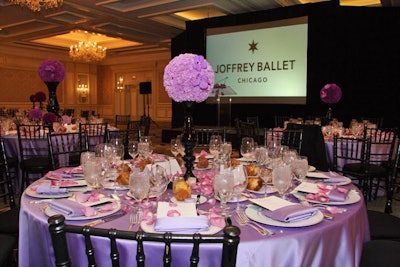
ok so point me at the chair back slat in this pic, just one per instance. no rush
(96, 133)
(89, 247)
(65, 149)
(293, 139)
(6, 176)
(58, 229)
(122, 121)
(114, 255)
(195, 258)
(203, 135)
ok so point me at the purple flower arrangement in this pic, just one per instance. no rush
(35, 114)
(51, 70)
(49, 117)
(330, 93)
(40, 96)
(188, 77)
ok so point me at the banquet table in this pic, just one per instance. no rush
(336, 242)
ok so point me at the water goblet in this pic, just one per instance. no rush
(247, 147)
(145, 147)
(226, 150)
(92, 172)
(176, 147)
(87, 156)
(159, 181)
(139, 186)
(223, 189)
(133, 149)
(282, 178)
(239, 183)
(215, 145)
(300, 167)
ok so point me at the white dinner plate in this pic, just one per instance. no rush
(130, 195)
(202, 199)
(348, 181)
(270, 189)
(241, 199)
(311, 168)
(150, 229)
(254, 213)
(352, 197)
(49, 212)
(113, 186)
(202, 169)
(33, 193)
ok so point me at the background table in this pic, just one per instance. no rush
(335, 242)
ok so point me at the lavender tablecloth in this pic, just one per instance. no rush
(335, 242)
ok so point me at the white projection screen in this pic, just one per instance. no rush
(260, 63)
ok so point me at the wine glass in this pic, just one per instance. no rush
(159, 180)
(223, 189)
(176, 147)
(226, 150)
(300, 167)
(133, 149)
(92, 172)
(87, 156)
(139, 186)
(215, 145)
(261, 154)
(239, 183)
(145, 147)
(247, 147)
(282, 177)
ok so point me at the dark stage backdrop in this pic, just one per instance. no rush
(357, 48)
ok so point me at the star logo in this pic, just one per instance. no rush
(253, 46)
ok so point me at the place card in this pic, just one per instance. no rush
(184, 209)
(272, 203)
(307, 187)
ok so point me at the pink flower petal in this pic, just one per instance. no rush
(173, 213)
(108, 207)
(89, 211)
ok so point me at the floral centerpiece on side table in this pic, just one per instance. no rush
(52, 72)
(188, 78)
(330, 94)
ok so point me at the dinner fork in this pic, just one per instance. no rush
(134, 219)
(242, 219)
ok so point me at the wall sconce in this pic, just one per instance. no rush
(120, 84)
(83, 88)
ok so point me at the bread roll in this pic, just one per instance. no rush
(254, 183)
(202, 162)
(182, 190)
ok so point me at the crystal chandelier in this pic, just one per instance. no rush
(36, 5)
(87, 51)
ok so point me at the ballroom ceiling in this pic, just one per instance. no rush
(123, 26)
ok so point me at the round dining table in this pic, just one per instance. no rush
(331, 242)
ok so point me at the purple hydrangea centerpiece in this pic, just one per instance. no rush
(51, 70)
(330, 93)
(188, 77)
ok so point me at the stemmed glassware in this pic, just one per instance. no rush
(300, 167)
(145, 147)
(239, 183)
(133, 149)
(226, 150)
(177, 147)
(247, 147)
(92, 171)
(223, 187)
(159, 180)
(215, 145)
(139, 186)
(281, 177)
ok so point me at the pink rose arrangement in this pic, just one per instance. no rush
(51, 70)
(330, 93)
(188, 77)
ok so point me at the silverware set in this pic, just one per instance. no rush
(135, 219)
(241, 217)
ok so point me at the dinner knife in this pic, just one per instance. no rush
(104, 220)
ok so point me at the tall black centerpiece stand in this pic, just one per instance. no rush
(189, 138)
(52, 104)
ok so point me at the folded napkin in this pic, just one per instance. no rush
(182, 224)
(338, 194)
(58, 175)
(335, 180)
(67, 207)
(48, 188)
(291, 213)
